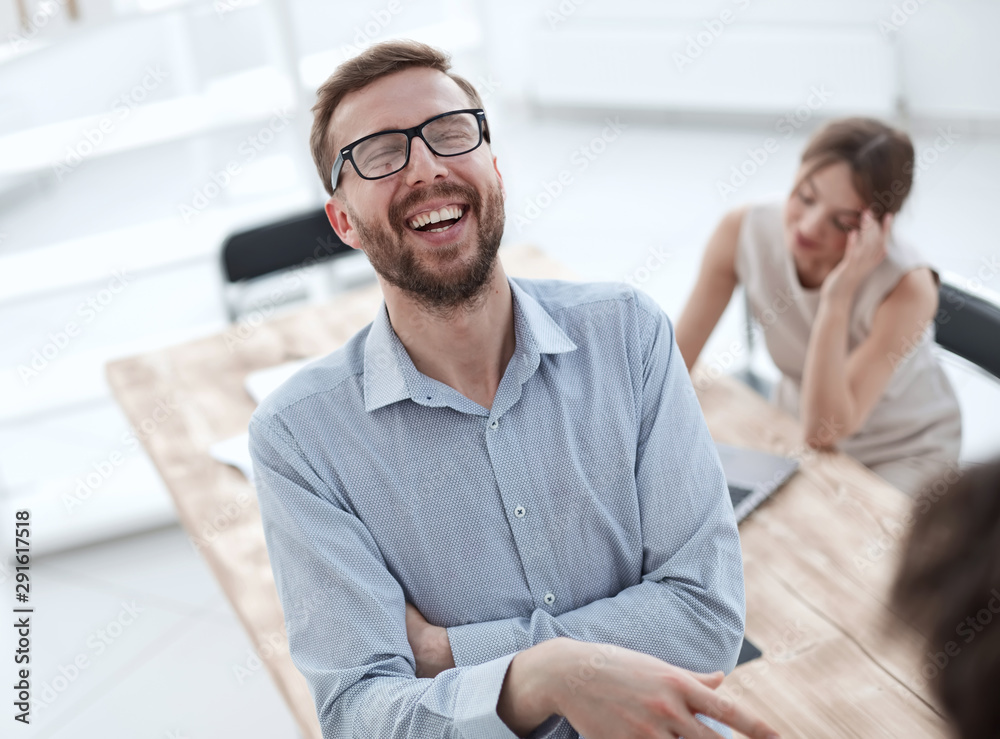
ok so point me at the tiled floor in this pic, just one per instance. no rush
(641, 192)
(133, 638)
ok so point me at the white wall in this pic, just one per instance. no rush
(751, 56)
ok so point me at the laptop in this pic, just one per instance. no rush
(752, 476)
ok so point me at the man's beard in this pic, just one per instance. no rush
(441, 291)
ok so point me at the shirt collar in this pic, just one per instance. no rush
(388, 365)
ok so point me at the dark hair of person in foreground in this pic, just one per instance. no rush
(948, 586)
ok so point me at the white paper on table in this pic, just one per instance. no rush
(235, 452)
(263, 382)
(260, 384)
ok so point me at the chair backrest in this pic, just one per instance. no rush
(294, 242)
(968, 325)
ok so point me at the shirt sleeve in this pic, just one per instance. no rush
(345, 614)
(689, 607)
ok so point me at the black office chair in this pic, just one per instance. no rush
(747, 376)
(968, 325)
(295, 242)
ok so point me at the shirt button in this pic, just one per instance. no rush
(494, 424)
(519, 511)
(549, 599)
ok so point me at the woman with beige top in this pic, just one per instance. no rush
(846, 308)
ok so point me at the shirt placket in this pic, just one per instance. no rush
(526, 526)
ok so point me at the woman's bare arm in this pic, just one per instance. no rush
(840, 389)
(713, 289)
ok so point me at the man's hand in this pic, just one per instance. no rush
(632, 694)
(429, 643)
(608, 692)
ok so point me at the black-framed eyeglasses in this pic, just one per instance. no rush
(381, 154)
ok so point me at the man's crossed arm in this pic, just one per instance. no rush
(353, 646)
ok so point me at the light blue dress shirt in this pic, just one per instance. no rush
(588, 502)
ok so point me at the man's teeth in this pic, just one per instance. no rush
(441, 214)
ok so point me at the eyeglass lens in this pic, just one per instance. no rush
(449, 135)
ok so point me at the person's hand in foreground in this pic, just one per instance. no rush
(609, 692)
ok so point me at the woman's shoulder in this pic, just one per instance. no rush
(903, 255)
(767, 208)
(904, 274)
(901, 258)
(761, 219)
(760, 232)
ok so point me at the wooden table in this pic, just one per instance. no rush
(818, 557)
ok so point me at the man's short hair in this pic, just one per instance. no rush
(358, 72)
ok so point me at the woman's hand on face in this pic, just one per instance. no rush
(866, 248)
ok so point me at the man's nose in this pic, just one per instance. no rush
(424, 166)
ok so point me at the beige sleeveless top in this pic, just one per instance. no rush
(917, 415)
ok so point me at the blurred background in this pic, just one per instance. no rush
(136, 135)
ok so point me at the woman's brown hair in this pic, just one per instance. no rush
(948, 587)
(880, 158)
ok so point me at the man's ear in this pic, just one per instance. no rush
(341, 222)
(496, 169)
